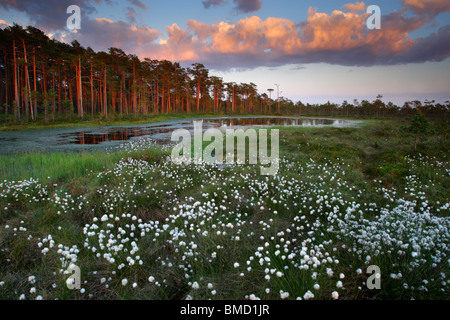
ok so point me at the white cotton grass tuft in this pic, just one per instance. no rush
(308, 295)
(284, 295)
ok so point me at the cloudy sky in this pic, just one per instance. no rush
(317, 50)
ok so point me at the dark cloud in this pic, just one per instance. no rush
(427, 7)
(247, 6)
(213, 3)
(139, 4)
(101, 34)
(49, 15)
(131, 15)
(435, 47)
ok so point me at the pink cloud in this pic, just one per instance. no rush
(321, 37)
(336, 38)
(431, 7)
(355, 7)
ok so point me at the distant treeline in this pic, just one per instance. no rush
(42, 78)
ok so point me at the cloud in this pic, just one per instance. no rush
(427, 7)
(247, 6)
(179, 46)
(337, 38)
(240, 6)
(103, 33)
(213, 3)
(355, 7)
(49, 15)
(435, 47)
(131, 15)
(139, 4)
(4, 24)
(340, 38)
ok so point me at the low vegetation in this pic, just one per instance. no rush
(140, 227)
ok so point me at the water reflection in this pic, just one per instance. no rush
(115, 134)
(164, 131)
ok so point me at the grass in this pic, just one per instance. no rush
(196, 223)
(58, 166)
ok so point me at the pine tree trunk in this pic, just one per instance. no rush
(80, 91)
(6, 90)
(92, 92)
(53, 98)
(27, 83)
(105, 97)
(16, 89)
(198, 94)
(35, 83)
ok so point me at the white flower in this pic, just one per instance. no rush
(308, 295)
(339, 284)
(316, 286)
(330, 272)
(335, 295)
(236, 265)
(124, 282)
(195, 286)
(284, 295)
(151, 279)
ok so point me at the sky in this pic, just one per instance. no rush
(316, 50)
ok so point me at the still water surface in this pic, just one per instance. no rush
(102, 138)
